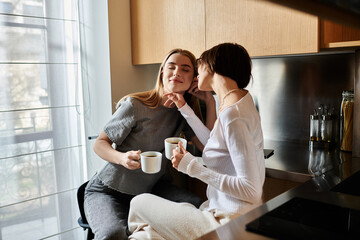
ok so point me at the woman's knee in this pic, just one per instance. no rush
(140, 210)
(141, 200)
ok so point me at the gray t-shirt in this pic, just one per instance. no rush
(135, 126)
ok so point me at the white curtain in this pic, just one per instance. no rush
(41, 118)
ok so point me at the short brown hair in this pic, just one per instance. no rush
(229, 60)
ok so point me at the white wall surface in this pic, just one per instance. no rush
(125, 78)
(108, 73)
(95, 64)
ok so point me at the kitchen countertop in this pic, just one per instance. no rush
(291, 162)
(298, 162)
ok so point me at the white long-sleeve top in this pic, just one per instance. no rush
(233, 156)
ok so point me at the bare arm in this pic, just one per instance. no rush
(103, 148)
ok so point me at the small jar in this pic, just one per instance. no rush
(314, 127)
(346, 121)
(326, 128)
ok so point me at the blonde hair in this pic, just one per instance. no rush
(152, 98)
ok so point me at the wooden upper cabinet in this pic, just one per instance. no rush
(263, 28)
(158, 26)
(334, 35)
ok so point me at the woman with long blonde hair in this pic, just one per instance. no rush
(141, 123)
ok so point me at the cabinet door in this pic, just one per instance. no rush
(263, 28)
(157, 26)
(274, 187)
(334, 35)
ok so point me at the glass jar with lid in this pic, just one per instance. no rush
(346, 121)
(326, 128)
(314, 126)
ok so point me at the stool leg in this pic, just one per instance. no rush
(90, 235)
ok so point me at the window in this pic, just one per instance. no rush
(41, 121)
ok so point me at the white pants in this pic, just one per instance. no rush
(152, 217)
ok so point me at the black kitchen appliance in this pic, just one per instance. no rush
(301, 218)
(349, 186)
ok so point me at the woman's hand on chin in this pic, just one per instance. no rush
(203, 95)
(174, 99)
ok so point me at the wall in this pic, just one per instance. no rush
(287, 89)
(107, 72)
(125, 78)
(95, 64)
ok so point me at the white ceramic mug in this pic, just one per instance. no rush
(151, 162)
(171, 143)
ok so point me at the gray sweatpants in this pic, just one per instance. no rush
(107, 210)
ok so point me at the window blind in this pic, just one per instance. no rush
(41, 137)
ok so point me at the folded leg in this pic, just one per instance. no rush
(152, 217)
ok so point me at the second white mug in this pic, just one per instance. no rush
(171, 143)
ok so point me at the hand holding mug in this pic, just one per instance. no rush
(172, 143)
(130, 159)
(178, 154)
